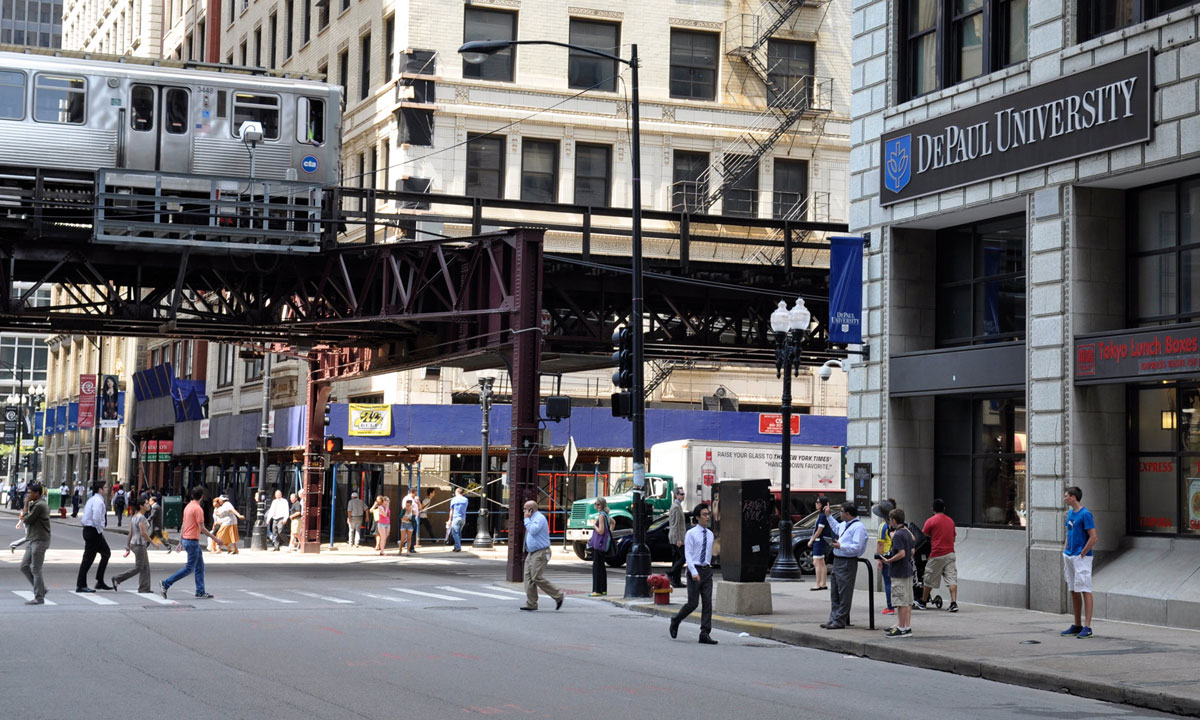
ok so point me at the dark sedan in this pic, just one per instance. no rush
(801, 532)
(656, 539)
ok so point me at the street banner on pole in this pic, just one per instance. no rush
(110, 402)
(370, 420)
(10, 424)
(845, 289)
(87, 401)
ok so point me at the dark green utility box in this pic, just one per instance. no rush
(172, 511)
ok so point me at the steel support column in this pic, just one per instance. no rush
(526, 284)
(317, 394)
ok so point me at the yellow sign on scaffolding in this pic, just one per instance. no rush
(370, 420)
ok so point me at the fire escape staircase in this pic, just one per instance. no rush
(746, 39)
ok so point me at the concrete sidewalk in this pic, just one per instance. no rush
(1143, 665)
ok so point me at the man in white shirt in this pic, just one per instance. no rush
(697, 553)
(851, 539)
(95, 518)
(277, 516)
(355, 510)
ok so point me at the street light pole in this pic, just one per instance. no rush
(637, 568)
(790, 329)
(483, 536)
(258, 533)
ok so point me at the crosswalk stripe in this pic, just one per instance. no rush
(472, 592)
(383, 597)
(504, 589)
(99, 600)
(326, 598)
(152, 597)
(429, 594)
(268, 597)
(28, 595)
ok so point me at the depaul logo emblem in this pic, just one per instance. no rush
(897, 170)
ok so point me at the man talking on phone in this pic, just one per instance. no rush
(537, 556)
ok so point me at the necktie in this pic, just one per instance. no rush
(703, 546)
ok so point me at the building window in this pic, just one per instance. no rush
(593, 175)
(364, 69)
(979, 459)
(485, 166)
(23, 359)
(1164, 487)
(482, 24)
(254, 369)
(389, 47)
(694, 65)
(945, 42)
(307, 28)
(290, 12)
(741, 199)
(258, 47)
(981, 283)
(689, 181)
(273, 25)
(322, 14)
(243, 54)
(790, 198)
(1097, 17)
(588, 71)
(539, 171)
(344, 70)
(1164, 263)
(789, 71)
(225, 363)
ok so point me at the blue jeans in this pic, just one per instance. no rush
(887, 584)
(195, 564)
(456, 526)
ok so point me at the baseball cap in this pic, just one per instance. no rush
(353, 494)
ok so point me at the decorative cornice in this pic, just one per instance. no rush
(689, 22)
(592, 12)
(495, 3)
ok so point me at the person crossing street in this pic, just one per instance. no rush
(697, 548)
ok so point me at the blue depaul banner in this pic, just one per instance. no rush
(845, 289)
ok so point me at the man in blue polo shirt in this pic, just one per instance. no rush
(1077, 561)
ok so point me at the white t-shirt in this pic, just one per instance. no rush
(226, 515)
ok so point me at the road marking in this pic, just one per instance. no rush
(152, 597)
(472, 592)
(326, 598)
(223, 602)
(383, 597)
(94, 598)
(411, 560)
(268, 597)
(28, 595)
(429, 594)
(504, 589)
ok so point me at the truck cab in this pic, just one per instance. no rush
(620, 507)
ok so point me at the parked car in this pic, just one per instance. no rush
(801, 532)
(656, 539)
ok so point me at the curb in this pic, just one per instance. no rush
(1006, 674)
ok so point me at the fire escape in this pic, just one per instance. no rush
(789, 99)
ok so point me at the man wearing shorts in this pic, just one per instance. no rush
(899, 562)
(940, 531)
(1077, 561)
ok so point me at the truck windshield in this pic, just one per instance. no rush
(622, 485)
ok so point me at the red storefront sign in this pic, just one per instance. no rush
(772, 424)
(165, 447)
(1123, 356)
(87, 401)
(150, 454)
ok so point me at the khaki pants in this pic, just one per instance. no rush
(141, 568)
(535, 567)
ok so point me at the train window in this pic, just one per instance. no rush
(141, 108)
(59, 99)
(260, 108)
(176, 111)
(311, 129)
(12, 95)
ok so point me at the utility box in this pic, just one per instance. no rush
(172, 511)
(743, 510)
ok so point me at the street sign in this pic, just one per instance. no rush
(570, 453)
(772, 424)
(10, 424)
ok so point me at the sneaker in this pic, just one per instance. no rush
(162, 590)
(1073, 630)
(597, 594)
(888, 611)
(953, 607)
(897, 633)
(204, 596)
(918, 605)
(1085, 633)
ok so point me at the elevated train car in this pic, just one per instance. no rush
(83, 112)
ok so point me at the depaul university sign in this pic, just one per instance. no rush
(1091, 111)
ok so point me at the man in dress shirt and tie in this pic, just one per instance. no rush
(697, 553)
(537, 555)
(851, 539)
(95, 517)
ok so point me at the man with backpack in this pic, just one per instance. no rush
(118, 503)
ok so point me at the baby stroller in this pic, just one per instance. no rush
(921, 548)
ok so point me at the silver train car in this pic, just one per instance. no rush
(83, 113)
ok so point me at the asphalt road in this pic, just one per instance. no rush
(436, 636)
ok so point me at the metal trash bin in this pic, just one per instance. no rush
(172, 511)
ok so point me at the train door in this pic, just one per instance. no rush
(159, 135)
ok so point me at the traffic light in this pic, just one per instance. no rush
(333, 445)
(622, 402)
(328, 411)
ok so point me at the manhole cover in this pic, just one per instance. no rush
(762, 645)
(451, 607)
(1031, 642)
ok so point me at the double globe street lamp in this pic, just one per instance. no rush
(637, 567)
(791, 330)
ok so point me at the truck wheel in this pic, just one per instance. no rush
(580, 550)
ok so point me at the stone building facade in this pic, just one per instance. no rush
(1026, 172)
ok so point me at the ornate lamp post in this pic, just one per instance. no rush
(791, 330)
(483, 537)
